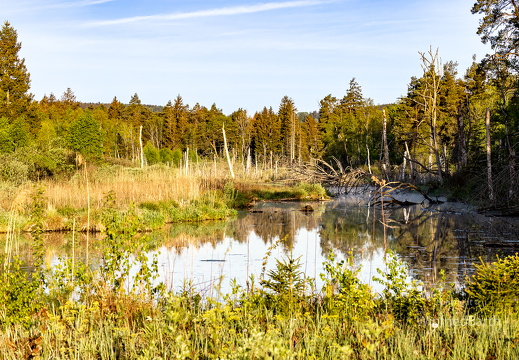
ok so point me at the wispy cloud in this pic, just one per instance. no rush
(71, 4)
(226, 11)
(30, 7)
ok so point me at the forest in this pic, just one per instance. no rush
(434, 134)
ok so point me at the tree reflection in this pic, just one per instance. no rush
(427, 239)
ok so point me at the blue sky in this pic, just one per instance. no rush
(246, 54)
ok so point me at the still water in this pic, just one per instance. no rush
(428, 238)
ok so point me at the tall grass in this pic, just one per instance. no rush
(134, 185)
(258, 323)
(129, 185)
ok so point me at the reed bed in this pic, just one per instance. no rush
(129, 186)
(89, 186)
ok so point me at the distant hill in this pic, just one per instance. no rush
(152, 108)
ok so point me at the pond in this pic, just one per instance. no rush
(428, 238)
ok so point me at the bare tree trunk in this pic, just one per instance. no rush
(186, 161)
(411, 165)
(489, 158)
(431, 65)
(445, 161)
(227, 152)
(293, 138)
(141, 147)
(369, 161)
(385, 147)
(404, 165)
(249, 161)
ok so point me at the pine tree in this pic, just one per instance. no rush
(314, 142)
(266, 132)
(68, 99)
(175, 123)
(353, 98)
(180, 112)
(169, 123)
(116, 109)
(135, 113)
(14, 78)
(288, 121)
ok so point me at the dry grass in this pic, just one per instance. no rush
(134, 185)
(129, 186)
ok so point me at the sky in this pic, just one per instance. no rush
(237, 54)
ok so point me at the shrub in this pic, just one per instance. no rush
(152, 154)
(19, 295)
(402, 297)
(13, 170)
(305, 190)
(494, 288)
(345, 294)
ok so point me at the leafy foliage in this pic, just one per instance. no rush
(86, 137)
(20, 295)
(401, 296)
(345, 295)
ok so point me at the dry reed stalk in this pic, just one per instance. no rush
(151, 185)
(131, 185)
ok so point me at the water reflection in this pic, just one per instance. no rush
(428, 238)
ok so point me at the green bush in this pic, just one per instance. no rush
(19, 294)
(305, 190)
(402, 297)
(166, 156)
(177, 157)
(151, 153)
(345, 294)
(13, 170)
(494, 288)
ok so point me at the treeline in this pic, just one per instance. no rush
(435, 133)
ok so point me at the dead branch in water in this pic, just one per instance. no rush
(345, 179)
(334, 175)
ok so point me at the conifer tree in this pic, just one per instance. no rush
(115, 110)
(169, 123)
(175, 123)
(266, 132)
(498, 26)
(353, 98)
(314, 143)
(14, 77)
(135, 113)
(180, 112)
(68, 99)
(288, 122)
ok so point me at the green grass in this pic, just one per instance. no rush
(243, 195)
(280, 317)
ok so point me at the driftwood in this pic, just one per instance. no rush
(336, 176)
(345, 179)
(500, 211)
